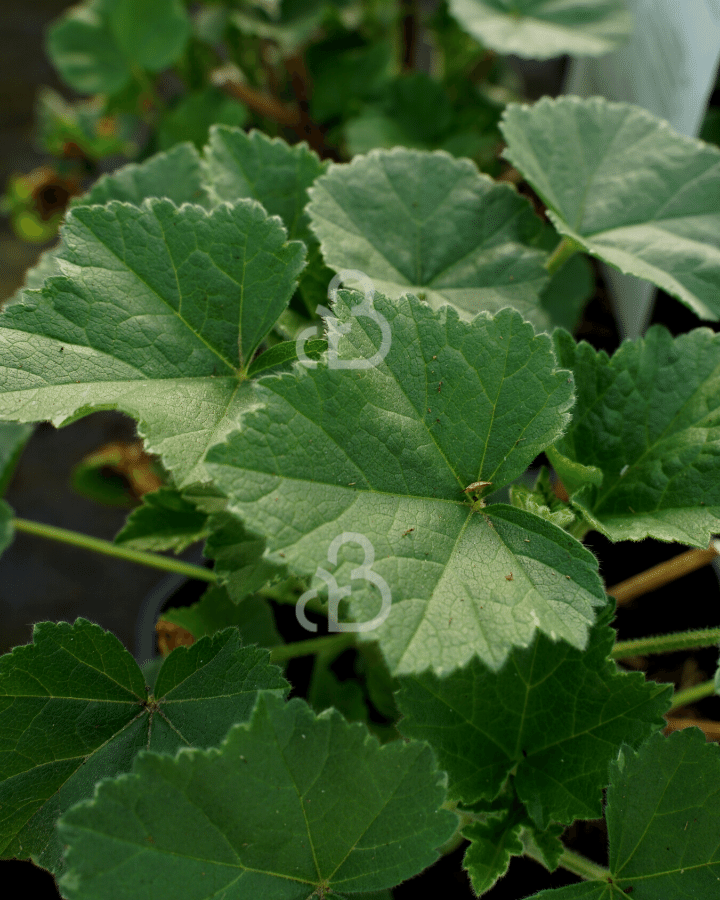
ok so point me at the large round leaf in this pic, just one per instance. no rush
(385, 455)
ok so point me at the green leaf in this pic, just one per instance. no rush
(387, 452)
(164, 521)
(151, 36)
(648, 418)
(541, 500)
(158, 313)
(627, 188)
(571, 473)
(95, 46)
(492, 845)
(586, 890)
(168, 520)
(290, 24)
(191, 118)
(291, 803)
(280, 356)
(373, 128)
(237, 164)
(432, 225)
(74, 709)
(175, 175)
(663, 821)
(557, 772)
(541, 29)
(239, 561)
(344, 73)
(663, 816)
(82, 47)
(13, 438)
(215, 611)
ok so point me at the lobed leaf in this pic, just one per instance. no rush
(552, 719)
(648, 421)
(663, 822)
(236, 164)
(384, 455)
(74, 709)
(626, 188)
(290, 804)
(158, 313)
(174, 174)
(432, 225)
(215, 611)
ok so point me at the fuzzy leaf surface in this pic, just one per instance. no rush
(429, 224)
(386, 453)
(158, 313)
(174, 174)
(215, 611)
(237, 164)
(164, 521)
(663, 818)
(627, 188)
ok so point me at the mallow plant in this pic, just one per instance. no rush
(346, 370)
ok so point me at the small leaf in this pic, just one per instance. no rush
(215, 611)
(164, 521)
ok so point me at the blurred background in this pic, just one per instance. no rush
(44, 580)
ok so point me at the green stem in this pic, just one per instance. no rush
(564, 250)
(141, 557)
(692, 694)
(666, 643)
(336, 642)
(575, 863)
(580, 865)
